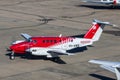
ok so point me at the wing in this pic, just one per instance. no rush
(110, 66)
(99, 2)
(101, 62)
(26, 36)
(59, 52)
(49, 52)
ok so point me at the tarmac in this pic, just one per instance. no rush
(51, 18)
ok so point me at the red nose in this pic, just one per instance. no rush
(18, 48)
(12, 47)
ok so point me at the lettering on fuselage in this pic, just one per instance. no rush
(85, 42)
(75, 45)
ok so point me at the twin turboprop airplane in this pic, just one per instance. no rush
(110, 66)
(107, 2)
(52, 47)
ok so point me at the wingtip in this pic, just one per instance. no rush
(90, 61)
(93, 61)
(22, 33)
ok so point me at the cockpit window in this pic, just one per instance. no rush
(34, 41)
(29, 40)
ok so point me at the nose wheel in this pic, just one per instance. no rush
(12, 56)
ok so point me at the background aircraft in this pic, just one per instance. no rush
(107, 2)
(52, 47)
(110, 66)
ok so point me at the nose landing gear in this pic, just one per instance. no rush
(12, 56)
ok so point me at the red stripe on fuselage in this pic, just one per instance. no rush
(90, 34)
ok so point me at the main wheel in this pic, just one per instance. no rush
(55, 59)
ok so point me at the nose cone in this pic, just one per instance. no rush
(12, 47)
(18, 48)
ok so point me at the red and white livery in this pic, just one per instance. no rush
(52, 47)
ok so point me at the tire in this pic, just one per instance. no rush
(55, 59)
(12, 57)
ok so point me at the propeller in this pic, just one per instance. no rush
(10, 52)
(12, 55)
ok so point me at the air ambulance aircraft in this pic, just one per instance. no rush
(109, 65)
(52, 47)
(107, 2)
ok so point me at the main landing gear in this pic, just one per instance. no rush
(55, 59)
(12, 56)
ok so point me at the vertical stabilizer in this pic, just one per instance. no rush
(96, 30)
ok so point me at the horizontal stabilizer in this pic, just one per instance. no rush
(101, 22)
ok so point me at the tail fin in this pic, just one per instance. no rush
(95, 31)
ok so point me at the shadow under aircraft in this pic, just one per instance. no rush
(101, 77)
(99, 6)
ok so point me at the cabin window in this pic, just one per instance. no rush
(59, 40)
(71, 40)
(51, 41)
(47, 41)
(55, 41)
(43, 41)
